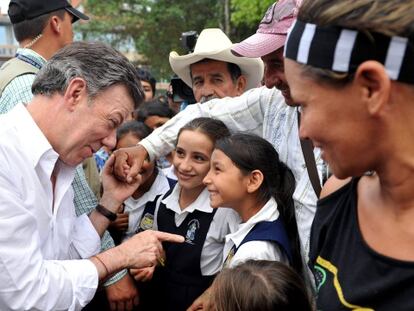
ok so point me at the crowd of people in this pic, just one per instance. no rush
(285, 187)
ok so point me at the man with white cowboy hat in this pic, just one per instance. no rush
(212, 71)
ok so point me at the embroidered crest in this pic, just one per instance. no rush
(193, 226)
(147, 222)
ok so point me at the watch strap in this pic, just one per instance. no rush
(105, 212)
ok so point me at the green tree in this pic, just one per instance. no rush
(153, 27)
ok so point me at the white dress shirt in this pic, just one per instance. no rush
(263, 112)
(224, 221)
(135, 207)
(39, 228)
(256, 250)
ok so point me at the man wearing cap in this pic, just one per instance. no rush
(267, 111)
(212, 71)
(42, 28)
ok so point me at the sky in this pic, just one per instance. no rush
(4, 4)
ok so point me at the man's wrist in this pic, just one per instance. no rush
(106, 212)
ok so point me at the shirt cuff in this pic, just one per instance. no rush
(85, 239)
(115, 278)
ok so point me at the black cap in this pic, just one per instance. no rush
(21, 10)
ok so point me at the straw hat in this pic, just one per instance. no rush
(214, 44)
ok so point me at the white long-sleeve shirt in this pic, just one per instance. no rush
(41, 240)
(263, 112)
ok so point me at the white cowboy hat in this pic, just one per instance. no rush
(214, 44)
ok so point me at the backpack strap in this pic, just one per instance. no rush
(307, 150)
(14, 68)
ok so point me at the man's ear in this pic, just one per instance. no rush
(55, 24)
(375, 85)
(241, 84)
(75, 92)
(255, 181)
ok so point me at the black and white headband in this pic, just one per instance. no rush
(343, 50)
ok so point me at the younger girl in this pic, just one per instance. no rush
(243, 177)
(138, 214)
(260, 285)
(185, 210)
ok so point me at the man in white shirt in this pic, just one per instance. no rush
(264, 111)
(49, 257)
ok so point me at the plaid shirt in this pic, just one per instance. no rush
(19, 90)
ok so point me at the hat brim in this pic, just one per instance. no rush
(259, 44)
(251, 68)
(76, 14)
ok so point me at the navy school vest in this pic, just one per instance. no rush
(273, 231)
(180, 282)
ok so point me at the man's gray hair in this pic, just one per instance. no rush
(100, 65)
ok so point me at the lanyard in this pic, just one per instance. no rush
(29, 61)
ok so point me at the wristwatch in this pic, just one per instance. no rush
(105, 212)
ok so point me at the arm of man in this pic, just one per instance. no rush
(243, 113)
(120, 289)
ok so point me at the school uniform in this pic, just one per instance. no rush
(141, 211)
(190, 266)
(262, 237)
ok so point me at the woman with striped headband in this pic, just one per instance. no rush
(350, 65)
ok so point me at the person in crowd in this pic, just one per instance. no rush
(138, 211)
(42, 28)
(353, 79)
(148, 83)
(49, 255)
(241, 177)
(262, 111)
(186, 210)
(260, 285)
(212, 71)
(154, 113)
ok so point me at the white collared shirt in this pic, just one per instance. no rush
(256, 250)
(261, 111)
(135, 207)
(39, 229)
(224, 221)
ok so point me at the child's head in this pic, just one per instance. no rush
(247, 165)
(154, 113)
(195, 143)
(250, 156)
(129, 134)
(260, 285)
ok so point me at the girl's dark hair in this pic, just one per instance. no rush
(153, 107)
(139, 129)
(251, 152)
(213, 128)
(260, 285)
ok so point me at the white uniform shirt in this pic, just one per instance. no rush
(263, 112)
(39, 230)
(135, 207)
(224, 221)
(256, 250)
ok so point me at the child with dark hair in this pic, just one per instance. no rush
(260, 191)
(185, 210)
(148, 83)
(138, 213)
(260, 285)
(154, 113)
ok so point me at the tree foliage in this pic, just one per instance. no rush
(153, 27)
(248, 12)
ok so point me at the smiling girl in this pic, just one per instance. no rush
(190, 268)
(260, 191)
